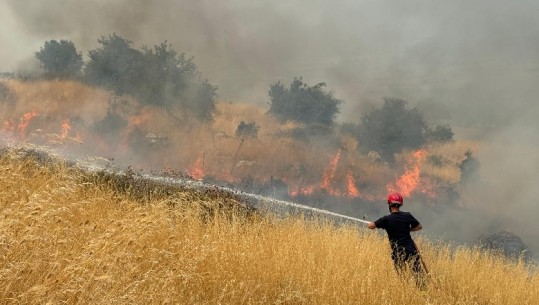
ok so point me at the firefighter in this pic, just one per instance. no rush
(398, 226)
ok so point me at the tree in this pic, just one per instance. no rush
(392, 128)
(60, 59)
(172, 79)
(303, 104)
(440, 133)
(469, 168)
(166, 75)
(115, 65)
(154, 76)
(199, 99)
(245, 130)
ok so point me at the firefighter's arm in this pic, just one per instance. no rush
(371, 225)
(416, 228)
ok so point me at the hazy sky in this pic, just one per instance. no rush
(466, 63)
(441, 55)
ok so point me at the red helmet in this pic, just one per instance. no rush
(395, 198)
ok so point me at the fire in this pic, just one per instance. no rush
(25, 121)
(409, 181)
(344, 173)
(304, 190)
(330, 182)
(137, 120)
(66, 126)
(352, 189)
(329, 173)
(197, 170)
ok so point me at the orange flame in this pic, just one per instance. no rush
(66, 126)
(352, 189)
(197, 170)
(302, 190)
(329, 173)
(328, 180)
(408, 182)
(25, 121)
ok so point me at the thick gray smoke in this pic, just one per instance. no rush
(472, 64)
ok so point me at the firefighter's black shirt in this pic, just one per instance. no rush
(397, 226)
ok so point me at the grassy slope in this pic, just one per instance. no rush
(215, 145)
(65, 237)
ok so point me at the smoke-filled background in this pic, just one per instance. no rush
(473, 65)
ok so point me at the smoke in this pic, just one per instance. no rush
(470, 64)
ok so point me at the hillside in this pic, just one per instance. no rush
(70, 236)
(83, 120)
(327, 171)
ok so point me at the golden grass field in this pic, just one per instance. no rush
(72, 237)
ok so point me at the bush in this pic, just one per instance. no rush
(157, 76)
(469, 169)
(392, 128)
(6, 94)
(247, 130)
(60, 59)
(303, 104)
(116, 65)
(441, 133)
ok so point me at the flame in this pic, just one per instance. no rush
(25, 121)
(352, 189)
(66, 126)
(137, 120)
(301, 190)
(409, 181)
(197, 170)
(332, 187)
(329, 173)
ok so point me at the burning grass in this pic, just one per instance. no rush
(84, 120)
(68, 236)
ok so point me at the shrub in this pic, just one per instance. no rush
(157, 76)
(247, 130)
(303, 104)
(115, 65)
(392, 128)
(440, 133)
(60, 59)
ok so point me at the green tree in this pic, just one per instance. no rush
(440, 133)
(116, 65)
(392, 128)
(199, 98)
(303, 104)
(245, 130)
(60, 59)
(171, 79)
(165, 74)
(155, 76)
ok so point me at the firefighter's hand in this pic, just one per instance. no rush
(371, 225)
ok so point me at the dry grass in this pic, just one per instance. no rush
(449, 155)
(69, 98)
(64, 239)
(211, 147)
